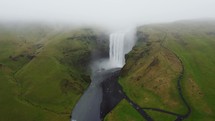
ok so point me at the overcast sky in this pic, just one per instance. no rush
(106, 12)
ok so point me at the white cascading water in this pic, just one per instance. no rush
(88, 107)
(116, 51)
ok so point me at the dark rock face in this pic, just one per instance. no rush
(1, 65)
(141, 36)
(28, 56)
(102, 48)
(111, 94)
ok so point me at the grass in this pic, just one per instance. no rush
(45, 73)
(42, 75)
(151, 71)
(158, 116)
(124, 112)
(150, 78)
(198, 58)
(13, 109)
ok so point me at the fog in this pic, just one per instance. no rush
(109, 13)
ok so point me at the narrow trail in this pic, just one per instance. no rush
(135, 105)
(180, 117)
(115, 93)
(179, 81)
(141, 110)
(180, 91)
(138, 108)
(163, 111)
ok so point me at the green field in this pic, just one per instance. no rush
(150, 75)
(124, 112)
(43, 72)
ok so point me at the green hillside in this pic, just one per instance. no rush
(124, 112)
(44, 71)
(42, 79)
(153, 67)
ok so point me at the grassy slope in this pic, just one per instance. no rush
(47, 86)
(12, 108)
(124, 112)
(156, 87)
(196, 49)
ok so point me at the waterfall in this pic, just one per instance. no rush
(116, 49)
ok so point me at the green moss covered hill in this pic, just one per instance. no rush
(43, 71)
(162, 54)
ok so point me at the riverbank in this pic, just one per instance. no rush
(170, 78)
(111, 94)
(88, 107)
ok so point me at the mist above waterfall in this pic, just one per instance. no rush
(120, 43)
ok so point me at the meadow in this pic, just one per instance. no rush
(152, 68)
(43, 72)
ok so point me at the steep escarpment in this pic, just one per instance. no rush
(165, 56)
(149, 77)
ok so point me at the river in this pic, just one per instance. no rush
(88, 107)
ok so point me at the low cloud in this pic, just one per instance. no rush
(110, 13)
